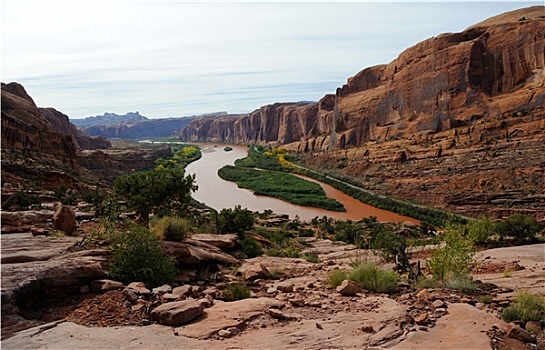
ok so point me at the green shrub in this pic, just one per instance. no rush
(170, 228)
(311, 257)
(236, 291)
(250, 247)
(455, 257)
(486, 299)
(292, 252)
(519, 226)
(460, 282)
(480, 230)
(136, 256)
(526, 307)
(371, 277)
(274, 252)
(237, 220)
(336, 277)
(426, 282)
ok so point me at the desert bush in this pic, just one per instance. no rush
(526, 307)
(170, 228)
(519, 226)
(460, 282)
(236, 291)
(311, 257)
(336, 277)
(273, 252)
(370, 277)
(22, 200)
(237, 220)
(455, 257)
(136, 255)
(250, 247)
(426, 282)
(480, 230)
(292, 251)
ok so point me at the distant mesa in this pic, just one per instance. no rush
(135, 126)
(108, 118)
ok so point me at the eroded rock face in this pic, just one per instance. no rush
(64, 219)
(486, 73)
(26, 132)
(60, 123)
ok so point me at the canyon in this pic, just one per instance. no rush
(456, 121)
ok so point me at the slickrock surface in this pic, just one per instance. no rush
(291, 308)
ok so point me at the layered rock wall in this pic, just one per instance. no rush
(26, 132)
(488, 73)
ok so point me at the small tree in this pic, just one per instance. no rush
(455, 257)
(156, 191)
(519, 226)
(235, 220)
(480, 230)
(136, 256)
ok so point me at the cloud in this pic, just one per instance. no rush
(182, 58)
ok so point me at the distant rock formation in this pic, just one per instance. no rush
(488, 74)
(108, 119)
(135, 126)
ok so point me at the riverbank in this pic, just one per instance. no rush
(220, 194)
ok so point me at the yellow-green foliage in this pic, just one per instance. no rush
(527, 307)
(170, 228)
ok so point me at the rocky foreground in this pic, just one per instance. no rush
(291, 305)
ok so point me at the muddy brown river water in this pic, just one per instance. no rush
(219, 194)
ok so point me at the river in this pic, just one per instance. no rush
(219, 194)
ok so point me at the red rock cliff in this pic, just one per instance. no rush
(485, 75)
(25, 131)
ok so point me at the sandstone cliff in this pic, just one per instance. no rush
(61, 123)
(27, 133)
(456, 121)
(42, 149)
(484, 75)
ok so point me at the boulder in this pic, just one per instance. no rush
(178, 312)
(193, 252)
(185, 291)
(223, 242)
(286, 287)
(348, 287)
(64, 219)
(254, 271)
(139, 288)
(515, 332)
(105, 285)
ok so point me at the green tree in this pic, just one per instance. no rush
(235, 220)
(156, 191)
(455, 257)
(520, 226)
(480, 230)
(136, 256)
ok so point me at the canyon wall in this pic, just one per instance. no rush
(485, 75)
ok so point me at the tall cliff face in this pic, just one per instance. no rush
(81, 141)
(481, 77)
(26, 132)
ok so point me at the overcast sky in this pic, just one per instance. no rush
(172, 58)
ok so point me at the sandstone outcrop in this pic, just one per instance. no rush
(61, 123)
(26, 133)
(64, 219)
(476, 79)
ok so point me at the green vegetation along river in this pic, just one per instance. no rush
(220, 194)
